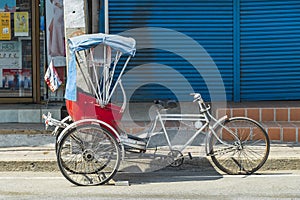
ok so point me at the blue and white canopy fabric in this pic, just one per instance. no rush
(125, 45)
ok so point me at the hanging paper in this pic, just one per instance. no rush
(51, 77)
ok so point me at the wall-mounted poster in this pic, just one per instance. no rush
(10, 56)
(55, 30)
(7, 5)
(21, 26)
(5, 30)
(15, 79)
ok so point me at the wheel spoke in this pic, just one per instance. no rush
(253, 153)
(250, 162)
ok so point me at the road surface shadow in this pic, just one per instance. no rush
(197, 169)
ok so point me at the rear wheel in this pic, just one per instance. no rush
(244, 146)
(88, 155)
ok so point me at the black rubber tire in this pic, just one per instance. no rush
(235, 158)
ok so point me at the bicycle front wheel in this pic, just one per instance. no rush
(88, 155)
(241, 147)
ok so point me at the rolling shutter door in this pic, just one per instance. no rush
(270, 50)
(210, 23)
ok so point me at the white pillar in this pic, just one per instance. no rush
(75, 20)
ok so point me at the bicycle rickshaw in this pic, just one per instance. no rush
(90, 144)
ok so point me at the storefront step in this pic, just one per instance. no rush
(15, 113)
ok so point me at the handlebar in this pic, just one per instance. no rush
(197, 97)
(49, 121)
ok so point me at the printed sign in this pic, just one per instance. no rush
(5, 30)
(10, 54)
(21, 26)
(16, 78)
(7, 5)
(10, 58)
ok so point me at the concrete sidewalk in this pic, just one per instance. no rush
(28, 147)
(43, 158)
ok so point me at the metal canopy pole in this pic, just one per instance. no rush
(106, 17)
(105, 64)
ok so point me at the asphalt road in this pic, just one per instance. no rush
(157, 185)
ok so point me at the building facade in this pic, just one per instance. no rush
(255, 45)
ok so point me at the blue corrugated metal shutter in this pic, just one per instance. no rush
(208, 22)
(270, 49)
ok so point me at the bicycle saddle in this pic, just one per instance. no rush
(166, 104)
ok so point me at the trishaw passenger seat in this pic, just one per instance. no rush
(86, 107)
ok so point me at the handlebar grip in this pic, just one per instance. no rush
(196, 95)
(44, 116)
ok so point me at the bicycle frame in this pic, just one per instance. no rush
(180, 117)
(204, 117)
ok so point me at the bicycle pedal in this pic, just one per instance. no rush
(190, 155)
